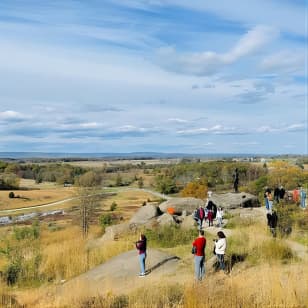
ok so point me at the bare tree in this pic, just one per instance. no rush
(89, 196)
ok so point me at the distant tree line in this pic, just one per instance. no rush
(213, 175)
(11, 173)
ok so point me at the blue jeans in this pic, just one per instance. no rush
(303, 201)
(221, 261)
(142, 262)
(266, 203)
(199, 267)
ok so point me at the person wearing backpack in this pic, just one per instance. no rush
(141, 246)
(199, 256)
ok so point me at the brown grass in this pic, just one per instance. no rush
(34, 197)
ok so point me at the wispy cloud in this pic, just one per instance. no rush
(285, 62)
(209, 62)
(215, 130)
(12, 116)
(297, 127)
(177, 120)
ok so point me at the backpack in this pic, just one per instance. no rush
(194, 250)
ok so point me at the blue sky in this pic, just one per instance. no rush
(226, 76)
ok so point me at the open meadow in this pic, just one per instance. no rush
(56, 260)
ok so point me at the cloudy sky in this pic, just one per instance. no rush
(202, 76)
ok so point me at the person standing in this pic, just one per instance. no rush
(302, 195)
(235, 180)
(269, 197)
(220, 248)
(210, 217)
(141, 246)
(199, 257)
(267, 191)
(219, 216)
(201, 216)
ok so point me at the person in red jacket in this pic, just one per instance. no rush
(200, 243)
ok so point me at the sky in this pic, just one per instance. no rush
(171, 76)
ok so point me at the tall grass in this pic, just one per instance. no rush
(264, 286)
(65, 254)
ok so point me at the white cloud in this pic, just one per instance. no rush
(209, 62)
(285, 61)
(177, 120)
(283, 128)
(216, 130)
(10, 115)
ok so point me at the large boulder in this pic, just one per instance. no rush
(115, 231)
(181, 204)
(144, 214)
(235, 200)
(188, 222)
(166, 219)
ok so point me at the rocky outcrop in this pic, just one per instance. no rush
(166, 219)
(188, 222)
(235, 200)
(144, 214)
(115, 231)
(181, 204)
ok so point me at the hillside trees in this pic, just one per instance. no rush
(165, 184)
(216, 173)
(285, 174)
(9, 181)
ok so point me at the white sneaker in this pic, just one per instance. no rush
(142, 275)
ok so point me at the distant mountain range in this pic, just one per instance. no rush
(133, 155)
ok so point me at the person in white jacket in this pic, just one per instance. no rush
(220, 248)
(219, 216)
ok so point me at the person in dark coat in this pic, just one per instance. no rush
(277, 194)
(235, 180)
(141, 246)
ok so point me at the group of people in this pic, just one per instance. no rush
(208, 213)
(199, 243)
(298, 195)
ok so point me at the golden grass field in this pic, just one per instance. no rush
(268, 277)
(34, 194)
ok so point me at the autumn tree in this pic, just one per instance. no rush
(285, 174)
(196, 189)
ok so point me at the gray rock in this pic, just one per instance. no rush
(235, 200)
(144, 214)
(188, 222)
(166, 219)
(181, 204)
(115, 231)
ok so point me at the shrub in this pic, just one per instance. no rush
(11, 195)
(106, 219)
(170, 236)
(113, 206)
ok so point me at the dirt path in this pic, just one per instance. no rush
(120, 274)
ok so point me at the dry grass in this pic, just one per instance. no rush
(65, 253)
(34, 197)
(262, 286)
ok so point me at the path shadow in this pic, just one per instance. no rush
(230, 261)
(159, 264)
